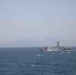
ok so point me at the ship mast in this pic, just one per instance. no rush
(58, 43)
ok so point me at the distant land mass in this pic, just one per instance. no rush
(30, 42)
(35, 43)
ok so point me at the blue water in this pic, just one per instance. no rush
(31, 61)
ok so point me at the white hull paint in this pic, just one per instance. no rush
(56, 48)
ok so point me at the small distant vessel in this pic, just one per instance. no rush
(56, 48)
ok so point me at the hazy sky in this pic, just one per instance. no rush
(37, 19)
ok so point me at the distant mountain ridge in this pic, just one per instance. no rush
(49, 41)
(30, 43)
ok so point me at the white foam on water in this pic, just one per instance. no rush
(38, 55)
(62, 52)
(68, 52)
(32, 65)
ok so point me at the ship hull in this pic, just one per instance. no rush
(56, 49)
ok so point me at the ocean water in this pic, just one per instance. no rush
(31, 61)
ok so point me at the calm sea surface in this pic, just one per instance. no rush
(31, 61)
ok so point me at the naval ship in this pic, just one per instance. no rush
(55, 48)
